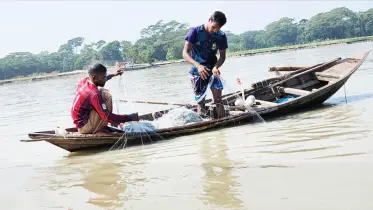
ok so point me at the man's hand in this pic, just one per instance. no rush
(119, 72)
(121, 125)
(216, 71)
(120, 69)
(202, 70)
(135, 116)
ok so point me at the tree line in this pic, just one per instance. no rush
(165, 40)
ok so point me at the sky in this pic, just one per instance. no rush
(34, 26)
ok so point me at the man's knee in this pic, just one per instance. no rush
(95, 123)
(105, 94)
(107, 98)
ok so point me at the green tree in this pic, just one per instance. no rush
(99, 44)
(366, 22)
(281, 32)
(110, 53)
(87, 55)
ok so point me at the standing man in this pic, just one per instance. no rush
(200, 49)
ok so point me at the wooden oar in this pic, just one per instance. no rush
(286, 68)
(32, 140)
(155, 102)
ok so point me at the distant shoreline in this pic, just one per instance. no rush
(172, 62)
(41, 77)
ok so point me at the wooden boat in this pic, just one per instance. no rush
(300, 89)
(130, 67)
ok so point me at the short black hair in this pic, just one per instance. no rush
(219, 18)
(96, 68)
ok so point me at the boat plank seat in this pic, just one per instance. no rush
(322, 76)
(265, 103)
(335, 72)
(293, 91)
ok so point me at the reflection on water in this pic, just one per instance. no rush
(105, 181)
(110, 178)
(114, 179)
(219, 184)
(351, 98)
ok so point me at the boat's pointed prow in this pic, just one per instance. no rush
(361, 56)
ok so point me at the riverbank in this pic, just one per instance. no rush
(41, 76)
(283, 48)
(180, 61)
(301, 46)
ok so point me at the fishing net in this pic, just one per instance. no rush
(177, 117)
(139, 127)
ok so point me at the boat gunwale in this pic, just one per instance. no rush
(209, 123)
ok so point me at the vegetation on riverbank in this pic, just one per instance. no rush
(302, 46)
(42, 76)
(163, 42)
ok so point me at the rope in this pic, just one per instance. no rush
(344, 86)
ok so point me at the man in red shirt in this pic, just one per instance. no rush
(92, 107)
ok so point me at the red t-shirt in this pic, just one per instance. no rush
(88, 97)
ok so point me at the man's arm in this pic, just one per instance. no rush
(222, 56)
(186, 55)
(202, 71)
(104, 113)
(222, 51)
(190, 40)
(109, 76)
(119, 72)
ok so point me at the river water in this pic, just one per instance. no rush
(320, 159)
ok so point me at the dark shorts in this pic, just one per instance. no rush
(200, 86)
